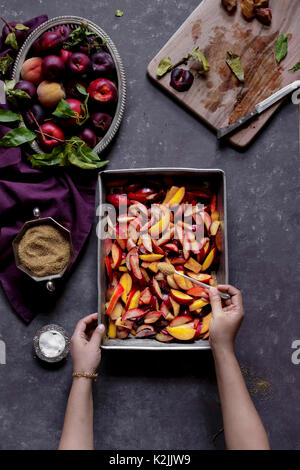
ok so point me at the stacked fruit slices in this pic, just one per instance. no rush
(141, 300)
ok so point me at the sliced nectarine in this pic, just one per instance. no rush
(122, 333)
(124, 323)
(114, 299)
(209, 259)
(151, 258)
(175, 306)
(196, 291)
(181, 320)
(182, 332)
(170, 193)
(163, 338)
(214, 227)
(152, 317)
(133, 299)
(199, 303)
(126, 282)
(133, 314)
(200, 277)
(182, 283)
(145, 297)
(205, 323)
(159, 227)
(193, 265)
(171, 281)
(112, 330)
(177, 197)
(117, 311)
(181, 297)
(145, 330)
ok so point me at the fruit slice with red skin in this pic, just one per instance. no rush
(175, 306)
(133, 314)
(109, 269)
(177, 261)
(114, 299)
(209, 259)
(126, 282)
(196, 291)
(133, 264)
(145, 275)
(152, 317)
(183, 333)
(117, 311)
(157, 249)
(133, 299)
(124, 323)
(116, 253)
(170, 193)
(199, 303)
(219, 239)
(200, 277)
(205, 323)
(122, 333)
(117, 200)
(181, 297)
(206, 219)
(145, 297)
(171, 282)
(166, 312)
(171, 247)
(163, 338)
(112, 330)
(107, 246)
(155, 289)
(144, 331)
(181, 320)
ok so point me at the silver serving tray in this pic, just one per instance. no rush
(73, 22)
(215, 175)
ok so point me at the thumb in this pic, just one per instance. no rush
(215, 301)
(97, 335)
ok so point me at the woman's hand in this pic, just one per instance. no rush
(227, 317)
(85, 345)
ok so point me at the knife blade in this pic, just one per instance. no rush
(259, 108)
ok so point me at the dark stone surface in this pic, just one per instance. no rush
(156, 400)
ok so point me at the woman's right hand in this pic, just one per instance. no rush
(227, 316)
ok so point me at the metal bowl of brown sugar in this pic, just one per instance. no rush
(43, 249)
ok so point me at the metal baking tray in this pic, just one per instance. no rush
(73, 22)
(218, 180)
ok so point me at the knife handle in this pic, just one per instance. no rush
(260, 107)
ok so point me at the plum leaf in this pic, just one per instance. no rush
(5, 63)
(281, 47)
(17, 137)
(235, 64)
(55, 158)
(119, 13)
(296, 67)
(21, 27)
(9, 116)
(63, 110)
(164, 65)
(198, 55)
(11, 41)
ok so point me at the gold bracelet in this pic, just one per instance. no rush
(86, 375)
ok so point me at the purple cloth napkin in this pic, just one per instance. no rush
(67, 195)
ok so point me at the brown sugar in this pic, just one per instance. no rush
(44, 251)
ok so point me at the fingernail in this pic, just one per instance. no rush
(101, 327)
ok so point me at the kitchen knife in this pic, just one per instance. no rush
(259, 108)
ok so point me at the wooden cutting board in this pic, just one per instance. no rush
(218, 98)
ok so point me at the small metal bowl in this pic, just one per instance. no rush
(73, 22)
(36, 343)
(38, 221)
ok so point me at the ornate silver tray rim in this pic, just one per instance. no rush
(76, 21)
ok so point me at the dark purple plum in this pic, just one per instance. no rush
(53, 68)
(103, 64)
(39, 113)
(79, 63)
(181, 80)
(26, 86)
(71, 89)
(89, 137)
(48, 42)
(64, 31)
(101, 121)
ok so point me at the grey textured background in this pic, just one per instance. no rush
(170, 400)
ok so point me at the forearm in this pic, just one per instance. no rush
(77, 432)
(243, 427)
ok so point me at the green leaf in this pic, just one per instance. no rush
(9, 85)
(198, 55)
(17, 137)
(82, 89)
(8, 116)
(82, 156)
(21, 27)
(15, 96)
(63, 110)
(296, 67)
(281, 47)
(55, 158)
(235, 64)
(164, 65)
(5, 63)
(119, 13)
(11, 41)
